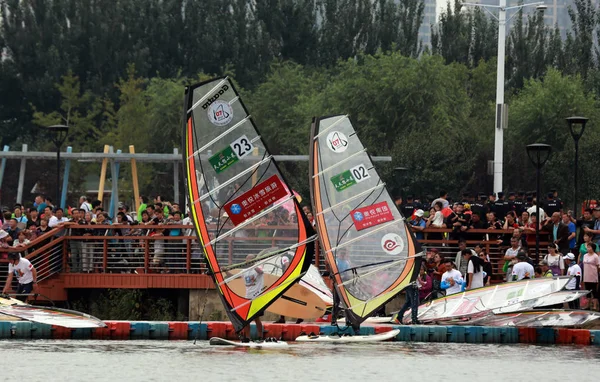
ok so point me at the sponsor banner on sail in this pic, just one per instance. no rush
(256, 199)
(225, 158)
(371, 216)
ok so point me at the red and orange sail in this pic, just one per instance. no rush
(236, 194)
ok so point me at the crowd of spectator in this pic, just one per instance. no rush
(573, 244)
(22, 225)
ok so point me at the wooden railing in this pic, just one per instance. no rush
(112, 253)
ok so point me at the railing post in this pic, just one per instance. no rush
(146, 255)
(104, 255)
(188, 245)
(21, 178)
(65, 254)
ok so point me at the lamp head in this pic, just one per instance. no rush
(541, 8)
(59, 134)
(539, 153)
(577, 126)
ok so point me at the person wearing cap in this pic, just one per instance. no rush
(418, 224)
(25, 273)
(519, 203)
(575, 271)
(546, 271)
(500, 207)
(522, 269)
(4, 236)
(551, 206)
(479, 207)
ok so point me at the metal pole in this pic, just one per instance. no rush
(3, 165)
(21, 177)
(499, 132)
(537, 209)
(576, 184)
(115, 186)
(57, 176)
(176, 178)
(65, 183)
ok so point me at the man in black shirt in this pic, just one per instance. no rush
(33, 220)
(479, 207)
(587, 220)
(500, 207)
(551, 206)
(555, 197)
(407, 208)
(519, 203)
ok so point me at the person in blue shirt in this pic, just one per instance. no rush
(418, 224)
(566, 218)
(342, 263)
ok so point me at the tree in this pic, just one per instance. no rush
(538, 115)
(464, 37)
(584, 19)
(531, 49)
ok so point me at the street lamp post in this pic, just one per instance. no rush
(577, 127)
(501, 111)
(58, 135)
(399, 174)
(538, 154)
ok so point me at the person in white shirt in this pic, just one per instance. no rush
(451, 278)
(25, 273)
(575, 283)
(474, 269)
(522, 270)
(84, 205)
(510, 257)
(541, 214)
(460, 264)
(57, 218)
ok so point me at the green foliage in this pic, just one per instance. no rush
(538, 115)
(128, 304)
(78, 111)
(464, 36)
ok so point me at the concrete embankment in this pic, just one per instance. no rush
(152, 330)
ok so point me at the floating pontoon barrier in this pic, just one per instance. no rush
(178, 330)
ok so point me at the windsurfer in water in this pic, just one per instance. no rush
(255, 281)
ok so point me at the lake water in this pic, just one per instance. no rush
(69, 360)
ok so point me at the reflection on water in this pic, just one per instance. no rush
(183, 361)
